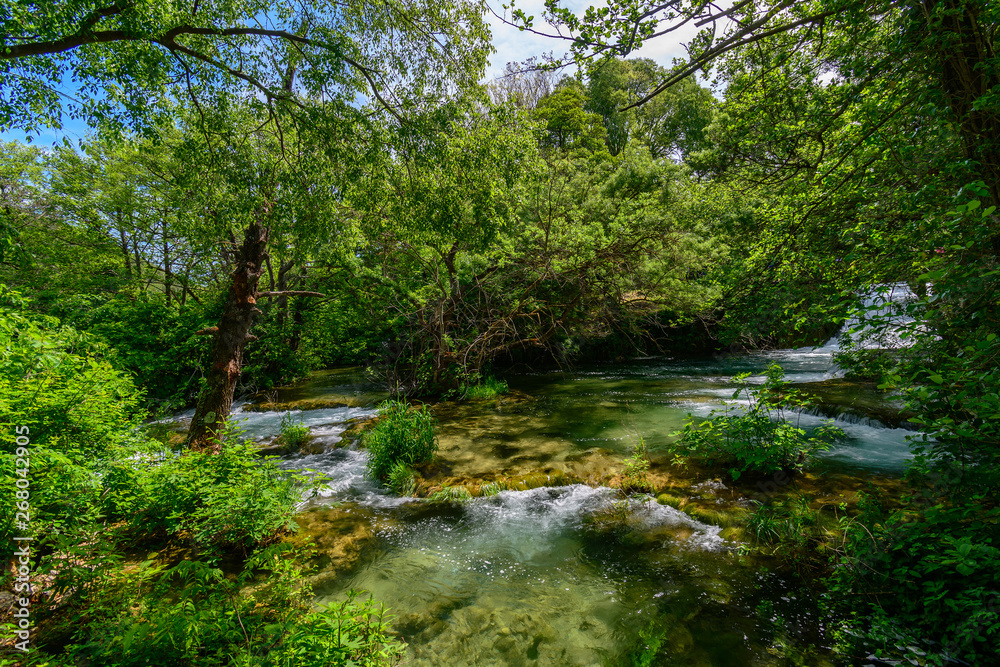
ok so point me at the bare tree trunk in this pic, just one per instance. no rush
(230, 337)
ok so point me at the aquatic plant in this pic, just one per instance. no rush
(293, 433)
(487, 387)
(757, 438)
(634, 479)
(401, 434)
(401, 479)
(493, 488)
(451, 494)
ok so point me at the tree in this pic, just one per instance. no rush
(567, 122)
(434, 222)
(480, 251)
(283, 68)
(672, 124)
(127, 55)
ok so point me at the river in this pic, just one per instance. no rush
(563, 575)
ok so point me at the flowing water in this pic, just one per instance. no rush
(564, 575)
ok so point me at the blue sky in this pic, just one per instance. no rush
(511, 45)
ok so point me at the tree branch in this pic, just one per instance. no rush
(291, 293)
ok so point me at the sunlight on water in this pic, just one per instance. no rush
(569, 575)
(540, 577)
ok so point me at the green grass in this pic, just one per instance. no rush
(488, 387)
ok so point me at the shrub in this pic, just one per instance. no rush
(401, 434)
(229, 500)
(925, 586)
(757, 438)
(401, 479)
(487, 387)
(191, 614)
(634, 478)
(294, 434)
(59, 393)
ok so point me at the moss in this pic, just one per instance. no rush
(336, 536)
(303, 404)
(279, 446)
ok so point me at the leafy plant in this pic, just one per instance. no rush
(401, 479)
(451, 494)
(229, 500)
(757, 438)
(294, 434)
(634, 479)
(401, 435)
(487, 387)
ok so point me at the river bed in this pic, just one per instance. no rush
(560, 575)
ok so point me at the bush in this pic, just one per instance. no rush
(488, 387)
(293, 434)
(59, 394)
(154, 342)
(923, 586)
(401, 479)
(758, 438)
(401, 434)
(191, 614)
(96, 485)
(224, 501)
(634, 479)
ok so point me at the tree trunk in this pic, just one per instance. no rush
(966, 49)
(168, 277)
(216, 397)
(124, 245)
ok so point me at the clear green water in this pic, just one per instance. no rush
(543, 578)
(551, 576)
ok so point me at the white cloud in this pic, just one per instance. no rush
(513, 45)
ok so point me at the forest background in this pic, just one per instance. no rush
(275, 188)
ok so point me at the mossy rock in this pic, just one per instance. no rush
(278, 447)
(356, 426)
(303, 404)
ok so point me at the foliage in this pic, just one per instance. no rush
(79, 413)
(347, 633)
(400, 479)
(451, 494)
(193, 615)
(153, 341)
(672, 124)
(97, 489)
(401, 435)
(757, 438)
(568, 125)
(230, 501)
(294, 434)
(124, 56)
(927, 583)
(633, 476)
(487, 387)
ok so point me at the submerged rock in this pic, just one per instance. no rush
(338, 536)
(856, 402)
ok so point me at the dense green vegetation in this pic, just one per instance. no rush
(761, 438)
(401, 437)
(338, 187)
